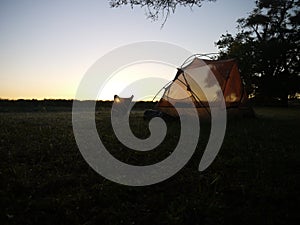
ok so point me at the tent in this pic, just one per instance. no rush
(198, 83)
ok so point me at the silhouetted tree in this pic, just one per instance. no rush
(156, 8)
(267, 46)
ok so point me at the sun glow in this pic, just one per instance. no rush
(139, 80)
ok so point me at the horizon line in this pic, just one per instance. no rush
(59, 99)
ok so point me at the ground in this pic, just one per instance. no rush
(254, 179)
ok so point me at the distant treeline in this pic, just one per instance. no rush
(63, 105)
(56, 105)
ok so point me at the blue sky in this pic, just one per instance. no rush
(48, 45)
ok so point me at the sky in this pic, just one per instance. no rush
(47, 46)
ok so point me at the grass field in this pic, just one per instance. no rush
(254, 179)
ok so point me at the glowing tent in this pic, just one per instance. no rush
(198, 84)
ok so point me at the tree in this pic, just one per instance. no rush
(267, 46)
(156, 8)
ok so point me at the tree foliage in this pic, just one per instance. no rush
(267, 46)
(156, 8)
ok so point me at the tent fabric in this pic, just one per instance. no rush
(185, 89)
